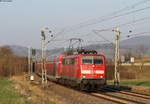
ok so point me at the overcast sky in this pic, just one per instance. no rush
(22, 20)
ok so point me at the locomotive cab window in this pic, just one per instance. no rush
(87, 60)
(98, 60)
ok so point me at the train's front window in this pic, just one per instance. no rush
(87, 60)
(92, 60)
(97, 60)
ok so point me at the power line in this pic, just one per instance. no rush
(134, 5)
(135, 21)
(120, 15)
(125, 24)
(95, 41)
(137, 34)
(127, 36)
(81, 25)
(96, 32)
(107, 17)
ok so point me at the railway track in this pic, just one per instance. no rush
(119, 99)
(125, 97)
(107, 97)
(113, 98)
(145, 96)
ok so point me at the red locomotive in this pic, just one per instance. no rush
(86, 71)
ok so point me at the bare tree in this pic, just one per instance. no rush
(5, 51)
(11, 64)
(140, 51)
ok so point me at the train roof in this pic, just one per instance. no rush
(78, 55)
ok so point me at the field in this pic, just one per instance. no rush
(136, 82)
(130, 72)
(146, 59)
(143, 82)
(8, 94)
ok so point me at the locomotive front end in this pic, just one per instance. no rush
(93, 72)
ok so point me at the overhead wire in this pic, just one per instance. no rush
(106, 19)
(125, 24)
(113, 13)
(137, 34)
(120, 15)
(110, 16)
(131, 7)
(138, 10)
(96, 32)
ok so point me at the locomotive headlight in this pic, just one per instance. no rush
(83, 76)
(101, 76)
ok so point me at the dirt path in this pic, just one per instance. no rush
(53, 93)
(34, 91)
(141, 89)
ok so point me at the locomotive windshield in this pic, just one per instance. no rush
(97, 60)
(87, 60)
(92, 60)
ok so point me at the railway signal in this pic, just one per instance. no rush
(31, 60)
(43, 54)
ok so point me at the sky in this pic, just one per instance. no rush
(22, 20)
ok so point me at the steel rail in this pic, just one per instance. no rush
(125, 100)
(145, 96)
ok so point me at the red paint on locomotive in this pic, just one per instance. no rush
(80, 68)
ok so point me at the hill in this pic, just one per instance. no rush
(107, 49)
(136, 41)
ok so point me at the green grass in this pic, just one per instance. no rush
(143, 82)
(8, 95)
(136, 83)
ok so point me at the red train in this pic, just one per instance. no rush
(85, 71)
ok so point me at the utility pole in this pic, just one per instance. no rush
(29, 60)
(117, 57)
(45, 70)
(43, 56)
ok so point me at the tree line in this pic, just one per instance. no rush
(11, 64)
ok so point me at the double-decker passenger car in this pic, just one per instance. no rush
(86, 71)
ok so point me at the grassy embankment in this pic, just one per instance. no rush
(8, 94)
